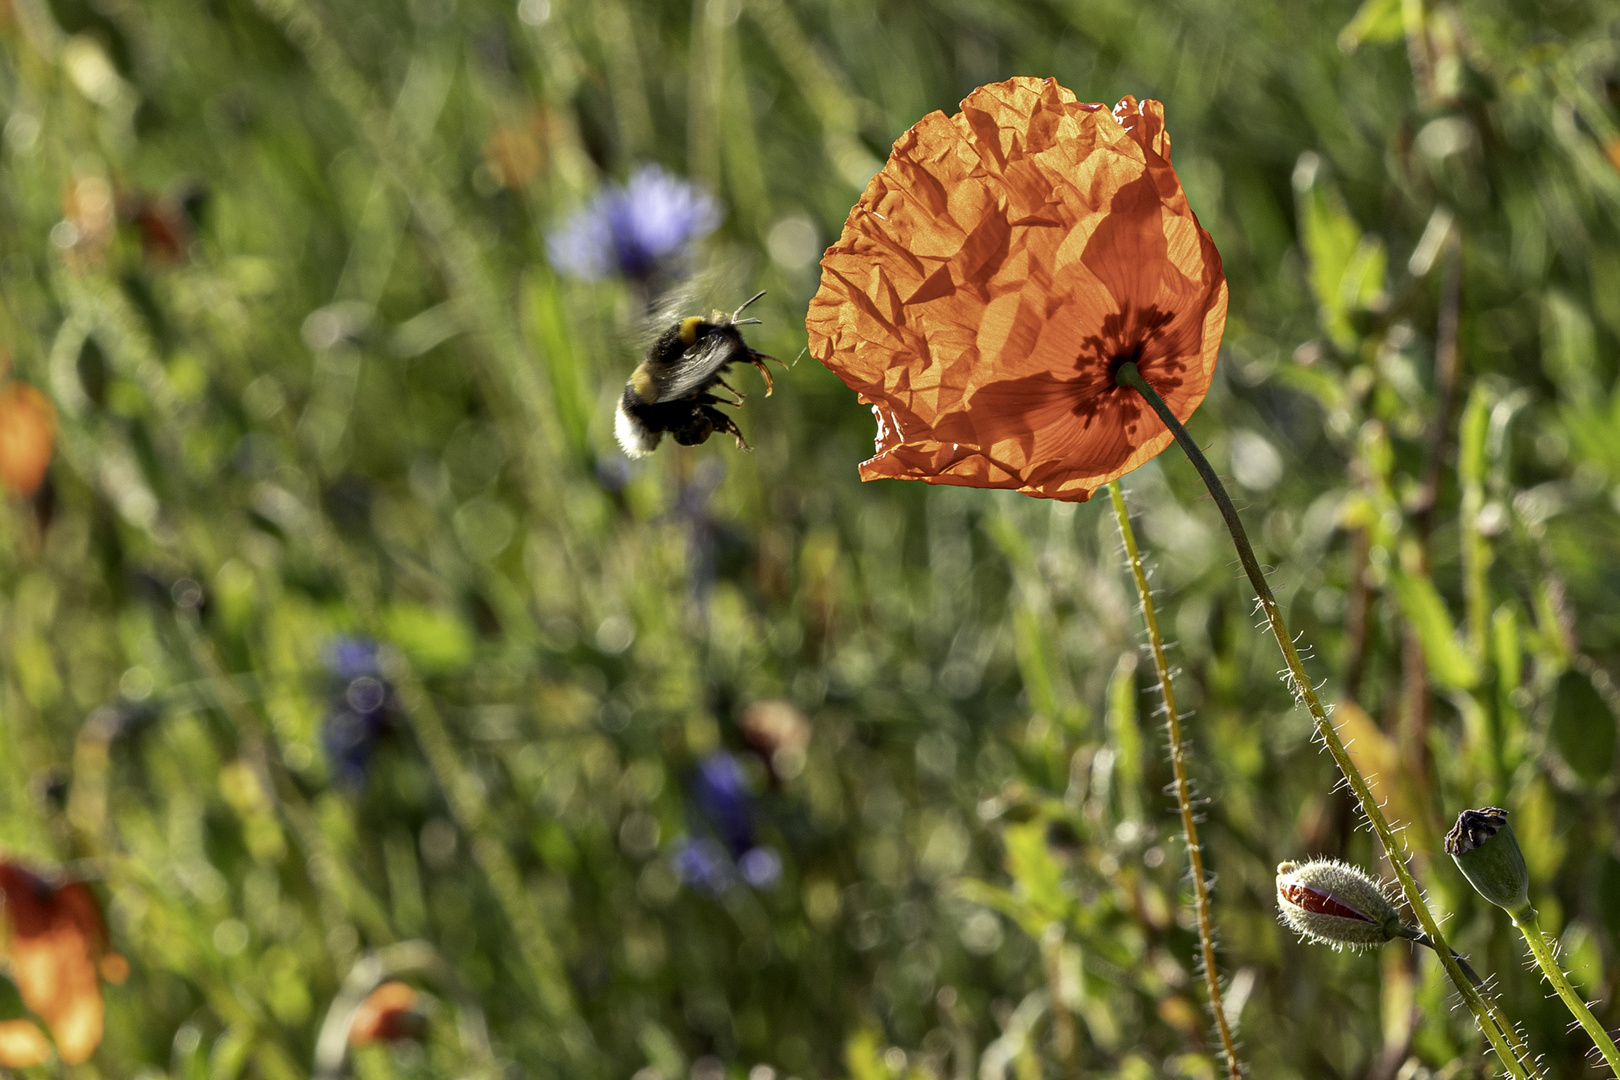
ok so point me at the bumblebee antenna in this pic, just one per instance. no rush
(744, 306)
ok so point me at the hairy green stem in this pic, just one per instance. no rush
(1128, 375)
(1503, 1024)
(1529, 925)
(1178, 764)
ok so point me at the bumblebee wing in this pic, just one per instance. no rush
(694, 369)
(665, 310)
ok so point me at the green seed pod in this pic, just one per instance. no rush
(1484, 848)
(1334, 903)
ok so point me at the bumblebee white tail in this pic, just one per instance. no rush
(635, 438)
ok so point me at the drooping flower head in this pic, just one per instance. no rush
(997, 273)
(633, 229)
(56, 947)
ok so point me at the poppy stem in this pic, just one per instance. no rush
(1546, 957)
(1300, 683)
(1503, 1024)
(1178, 764)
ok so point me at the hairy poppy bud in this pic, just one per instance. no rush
(1484, 848)
(1335, 903)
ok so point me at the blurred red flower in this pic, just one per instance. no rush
(388, 1014)
(995, 275)
(57, 945)
(22, 1044)
(27, 437)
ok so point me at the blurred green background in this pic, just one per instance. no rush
(340, 621)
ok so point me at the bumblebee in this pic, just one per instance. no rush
(672, 390)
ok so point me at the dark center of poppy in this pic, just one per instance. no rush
(1119, 360)
(1126, 336)
(1130, 335)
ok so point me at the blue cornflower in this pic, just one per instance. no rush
(761, 867)
(704, 865)
(633, 229)
(725, 808)
(720, 790)
(351, 657)
(359, 712)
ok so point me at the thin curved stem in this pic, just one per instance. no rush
(1530, 926)
(1503, 1024)
(1128, 375)
(1178, 763)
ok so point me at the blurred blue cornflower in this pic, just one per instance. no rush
(359, 714)
(761, 867)
(704, 865)
(719, 791)
(633, 229)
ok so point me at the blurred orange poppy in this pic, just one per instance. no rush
(22, 1044)
(997, 273)
(27, 437)
(56, 942)
(388, 1014)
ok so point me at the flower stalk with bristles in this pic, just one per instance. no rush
(1184, 800)
(1129, 374)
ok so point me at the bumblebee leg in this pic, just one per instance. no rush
(758, 360)
(710, 399)
(738, 393)
(722, 422)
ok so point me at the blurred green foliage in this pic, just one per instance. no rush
(280, 265)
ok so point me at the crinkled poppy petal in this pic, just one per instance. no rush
(995, 274)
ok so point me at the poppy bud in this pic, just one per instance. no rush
(1484, 848)
(1333, 903)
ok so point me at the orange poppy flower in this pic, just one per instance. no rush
(56, 941)
(388, 1014)
(995, 275)
(27, 437)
